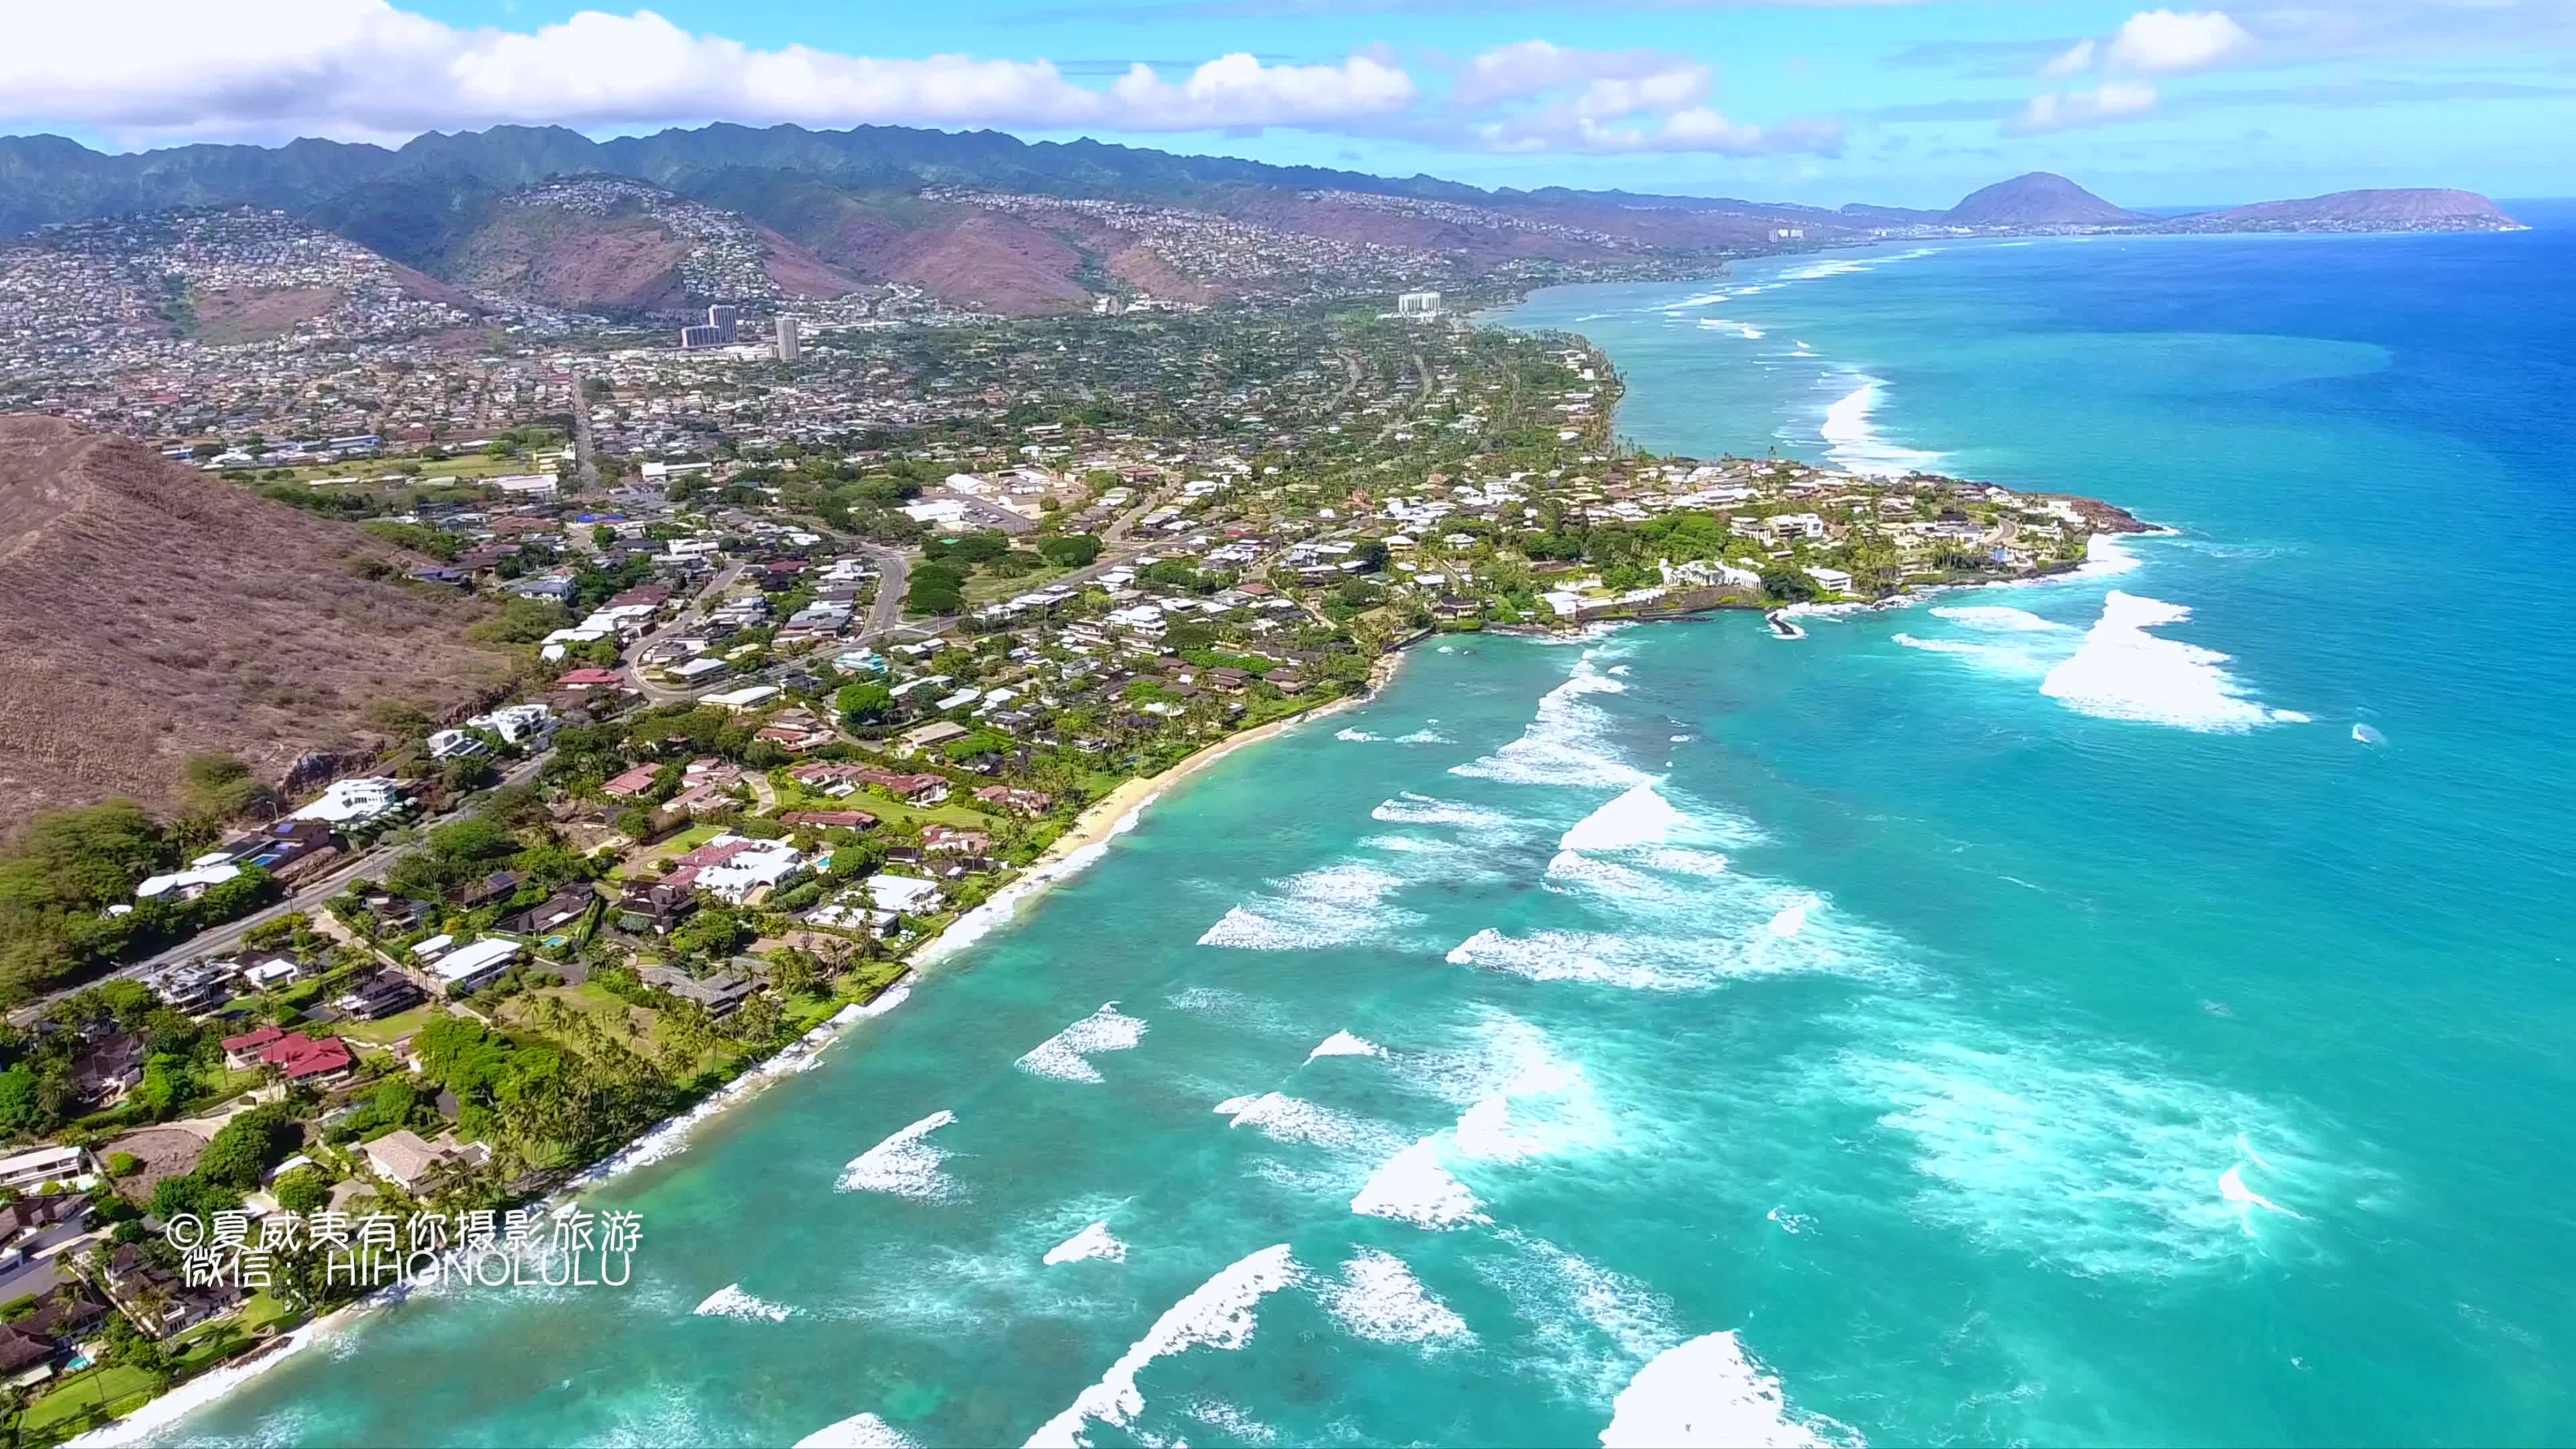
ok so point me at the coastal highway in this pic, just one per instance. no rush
(367, 866)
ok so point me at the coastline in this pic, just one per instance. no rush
(1084, 842)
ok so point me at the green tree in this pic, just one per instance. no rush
(865, 703)
(303, 1191)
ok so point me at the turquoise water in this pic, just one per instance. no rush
(2041, 1014)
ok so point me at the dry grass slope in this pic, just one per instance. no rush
(149, 612)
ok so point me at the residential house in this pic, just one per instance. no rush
(721, 994)
(469, 967)
(564, 911)
(413, 1163)
(1016, 799)
(657, 905)
(297, 1057)
(29, 1170)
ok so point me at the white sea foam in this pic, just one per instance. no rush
(1378, 1297)
(1792, 918)
(1094, 1241)
(1791, 1223)
(1314, 909)
(1577, 956)
(1413, 1187)
(1818, 271)
(1590, 1326)
(1564, 745)
(2104, 556)
(1410, 845)
(1343, 1044)
(1283, 1118)
(1687, 862)
(1853, 440)
(731, 1302)
(2124, 672)
(1711, 1392)
(904, 1165)
(2232, 1188)
(1411, 809)
(1237, 1426)
(2085, 1157)
(1996, 618)
(1065, 1055)
(1639, 816)
(859, 1431)
(2363, 734)
(1239, 1009)
(1745, 330)
(1219, 1313)
(1423, 736)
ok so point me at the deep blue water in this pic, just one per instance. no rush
(2039, 1014)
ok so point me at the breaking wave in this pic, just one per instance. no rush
(1325, 907)
(1852, 440)
(1564, 745)
(731, 1302)
(1343, 1044)
(859, 1431)
(1711, 1392)
(1064, 1056)
(1378, 1297)
(2125, 672)
(903, 1165)
(1094, 1241)
(1220, 1313)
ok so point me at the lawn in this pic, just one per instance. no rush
(82, 1392)
(261, 1310)
(792, 796)
(385, 1031)
(985, 588)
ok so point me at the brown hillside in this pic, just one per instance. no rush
(150, 612)
(565, 259)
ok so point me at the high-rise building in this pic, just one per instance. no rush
(787, 339)
(1418, 304)
(723, 317)
(701, 336)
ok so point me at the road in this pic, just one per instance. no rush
(585, 462)
(694, 614)
(367, 866)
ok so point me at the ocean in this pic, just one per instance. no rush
(2131, 1009)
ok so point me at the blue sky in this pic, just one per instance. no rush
(1909, 102)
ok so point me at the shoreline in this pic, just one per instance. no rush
(1083, 843)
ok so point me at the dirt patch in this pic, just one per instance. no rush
(165, 1152)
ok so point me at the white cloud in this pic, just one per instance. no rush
(1693, 128)
(1533, 67)
(1600, 101)
(2074, 60)
(158, 68)
(2075, 109)
(2162, 42)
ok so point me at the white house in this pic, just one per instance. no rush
(470, 966)
(355, 802)
(751, 866)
